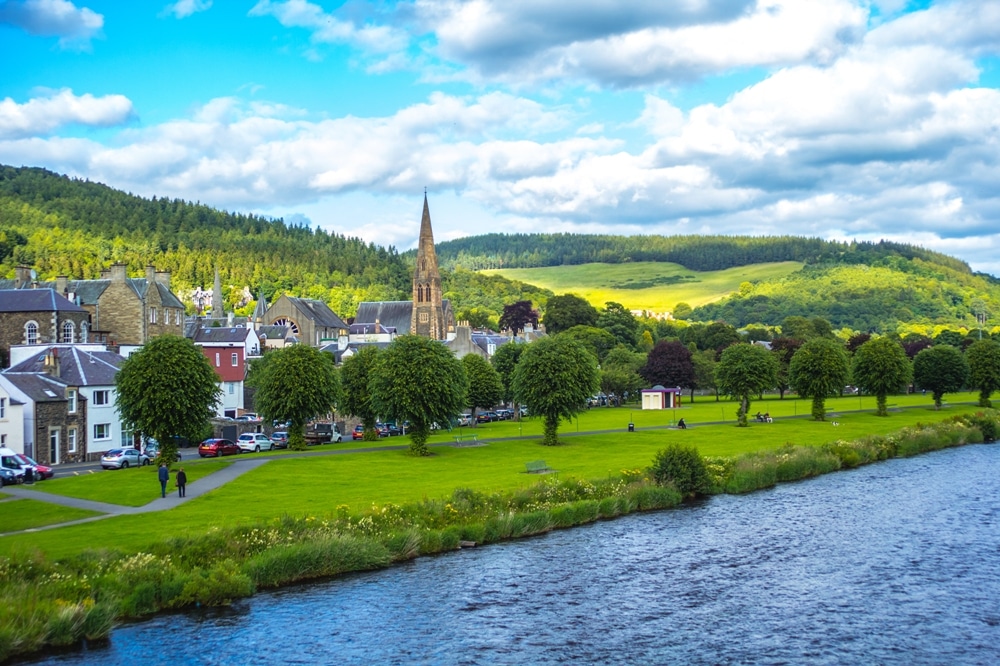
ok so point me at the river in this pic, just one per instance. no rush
(894, 563)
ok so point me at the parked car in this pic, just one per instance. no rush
(8, 477)
(358, 432)
(486, 417)
(41, 471)
(505, 414)
(218, 448)
(253, 442)
(10, 461)
(279, 439)
(394, 430)
(465, 420)
(523, 410)
(124, 458)
(152, 449)
(249, 416)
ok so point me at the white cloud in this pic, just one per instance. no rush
(43, 115)
(74, 26)
(325, 28)
(658, 42)
(184, 8)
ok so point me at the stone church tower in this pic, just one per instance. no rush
(428, 310)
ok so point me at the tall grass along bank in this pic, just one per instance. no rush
(46, 602)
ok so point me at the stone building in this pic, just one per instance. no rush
(39, 317)
(428, 314)
(312, 322)
(123, 310)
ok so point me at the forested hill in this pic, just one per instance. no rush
(697, 253)
(63, 226)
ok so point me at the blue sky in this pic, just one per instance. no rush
(842, 119)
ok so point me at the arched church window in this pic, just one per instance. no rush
(420, 294)
(67, 332)
(31, 333)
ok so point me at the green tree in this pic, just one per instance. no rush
(504, 361)
(598, 341)
(940, 369)
(485, 387)
(704, 372)
(420, 381)
(355, 374)
(743, 371)
(167, 389)
(619, 322)
(566, 311)
(784, 349)
(819, 368)
(296, 384)
(682, 311)
(881, 367)
(984, 368)
(620, 373)
(554, 378)
(669, 364)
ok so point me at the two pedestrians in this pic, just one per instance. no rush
(164, 476)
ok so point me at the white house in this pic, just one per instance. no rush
(91, 369)
(11, 417)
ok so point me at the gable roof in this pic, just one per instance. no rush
(77, 367)
(273, 332)
(218, 335)
(35, 300)
(318, 311)
(87, 292)
(391, 314)
(37, 386)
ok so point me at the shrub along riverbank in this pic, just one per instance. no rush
(47, 602)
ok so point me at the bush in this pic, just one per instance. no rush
(682, 467)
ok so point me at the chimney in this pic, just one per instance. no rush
(118, 273)
(150, 275)
(51, 363)
(230, 318)
(22, 277)
(62, 286)
(163, 277)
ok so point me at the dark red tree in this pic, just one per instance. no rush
(516, 315)
(856, 341)
(669, 364)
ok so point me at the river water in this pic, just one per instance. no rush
(894, 563)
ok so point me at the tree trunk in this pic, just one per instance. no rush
(881, 409)
(984, 399)
(418, 440)
(551, 427)
(741, 413)
(819, 408)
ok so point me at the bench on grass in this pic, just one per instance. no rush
(537, 467)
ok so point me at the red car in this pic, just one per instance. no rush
(41, 471)
(359, 432)
(215, 448)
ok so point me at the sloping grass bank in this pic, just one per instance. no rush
(45, 602)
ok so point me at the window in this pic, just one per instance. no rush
(102, 431)
(217, 361)
(101, 397)
(152, 315)
(31, 333)
(71, 399)
(3, 408)
(83, 332)
(67, 332)
(236, 359)
(232, 387)
(126, 435)
(71, 440)
(179, 317)
(424, 317)
(3, 440)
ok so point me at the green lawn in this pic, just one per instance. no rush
(135, 486)
(317, 485)
(600, 283)
(23, 514)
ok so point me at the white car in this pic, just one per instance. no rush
(254, 442)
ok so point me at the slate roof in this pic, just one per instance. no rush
(272, 332)
(319, 312)
(338, 354)
(38, 386)
(483, 340)
(216, 335)
(88, 291)
(370, 329)
(77, 367)
(35, 300)
(391, 314)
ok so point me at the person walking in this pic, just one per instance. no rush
(182, 480)
(164, 477)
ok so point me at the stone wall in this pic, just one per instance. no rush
(54, 414)
(49, 324)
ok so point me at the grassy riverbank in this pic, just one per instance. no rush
(302, 518)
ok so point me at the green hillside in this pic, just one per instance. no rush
(647, 285)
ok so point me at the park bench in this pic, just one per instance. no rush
(536, 467)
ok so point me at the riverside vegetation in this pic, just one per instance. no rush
(46, 601)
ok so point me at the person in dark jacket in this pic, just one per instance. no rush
(182, 480)
(164, 477)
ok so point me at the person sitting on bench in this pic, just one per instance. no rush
(682, 425)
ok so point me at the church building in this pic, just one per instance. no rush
(428, 314)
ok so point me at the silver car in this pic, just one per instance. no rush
(123, 458)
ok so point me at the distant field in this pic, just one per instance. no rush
(646, 285)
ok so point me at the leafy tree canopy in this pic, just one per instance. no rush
(745, 370)
(566, 311)
(598, 341)
(355, 375)
(485, 387)
(984, 369)
(818, 369)
(881, 367)
(619, 322)
(167, 389)
(669, 364)
(504, 360)
(940, 369)
(420, 381)
(554, 378)
(516, 315)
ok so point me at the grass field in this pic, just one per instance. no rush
(319, 485)
(23, 514)
(669, 284)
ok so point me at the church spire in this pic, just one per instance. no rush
(428, 310)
